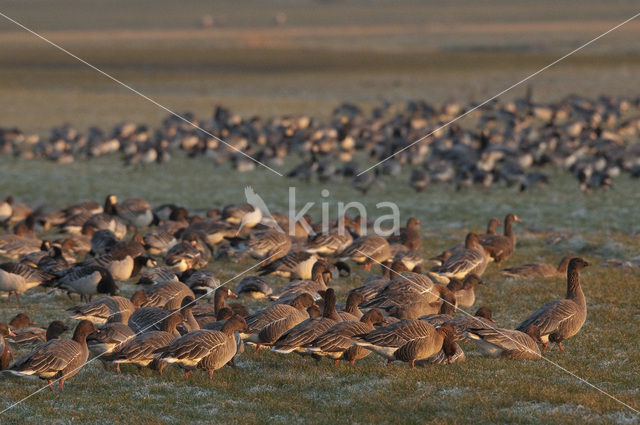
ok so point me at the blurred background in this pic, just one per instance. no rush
(280, 57)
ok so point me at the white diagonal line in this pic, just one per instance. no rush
(128, 87)
(127, 340)
(517, 342)
(447, 124)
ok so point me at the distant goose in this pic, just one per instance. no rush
(500, 247)
(19, 247)
(16, 278)
(372, 286)
(125, 260)
(408, 236)
(367, 250)
(58, 358)
(87, 281)
(158, 241)
(140, 350)
(322, 273)
(507, 343)
(35, 336)
(269, 246)
(108, 219)
(135, 211)
(297, 265)
(109, 309)
(561, 319)
(330, 243)
(111, 337)
(337, 341)
(471, 259)
(20, 321)
(538, 269)
(204, 349)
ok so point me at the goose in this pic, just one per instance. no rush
(26, 227)
(203, 283)
(308, 330)
(60, 217)
(204, 349)
(372, 286)
(419, 179)
(30, 335)
(507, 343)
(296, 265)
(561, 319)
(268, 246)
(538, 269)
(411, 259)
(157, 274)
(184, 256)
(108, 219)
(254, 286)
(19, 321)
(367, 250)
(500, 247)
(220, 297)
(141, 349)
(125, 260)
(408, 236)
(135, 212)
(20, 247)
(491, 231)
(6, 210)
(54, 261)
(109, 309)
(159, 241)
(16, 278)
(6, 353)
(351, 306)
(464, 289)
(168, 295)
(86, 281)
(322, 273)
(243, 215)
(408, 340)
(57, 359)
(19, 211)
(337, 341)
(111, 337)
(102, 242)
(330, 243)
(471, 259)
(212, 231)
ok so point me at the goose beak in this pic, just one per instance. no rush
(587, 264)
(233, 294)
(11, 333)
(517, 219)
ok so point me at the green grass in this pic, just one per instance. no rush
(271, 387)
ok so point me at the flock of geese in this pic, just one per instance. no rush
(511, 142)
(180, 314)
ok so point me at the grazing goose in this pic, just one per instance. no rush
(35, 336)
(58, 358)
(111, 337)
(108, 219)
(202, 283)
(87, 281)
(204, 349)
(109, 309)
(538, 269)
(6, 353)
(159, 242)
(561, 319)
(464, 289)
(330, 243)
(394, 342)
(305, 332)
(268, 246)
(507, 343)
(367, 250)
(125, 260)
(411, 259)
(135, 212)
(295, 265)
(16, 278)
(273, 322)
(184, 256)
(322, 274)
(147, 319)
(471, 259)
(372, 286)
(140, 350)
(254, 286)
(337, 341)
(157, 274)
(168, 295)
(500, 247)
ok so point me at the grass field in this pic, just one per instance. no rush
(327, 53)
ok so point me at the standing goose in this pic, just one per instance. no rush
(354, 299)
(464, 289)
(561, 319)
(268, 246)
(367, 250)
(491, 231)
(437, 339)
(471, 259)
(168, 295)
(125, 260)
(329, 243)
(58, 358)
(296, 265)
(310, 329)
(337, 341)
(204, 349)
(87, 281)
(500, 247)
(111, 337)
(538, 269)
(16, 278)
(408, 236)
(6, 353)
(372, 286)
(109, 309)
(507, 343)
(321, 275)
(219, 299)
(268, 325)
(34, 336)
(140, 350)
